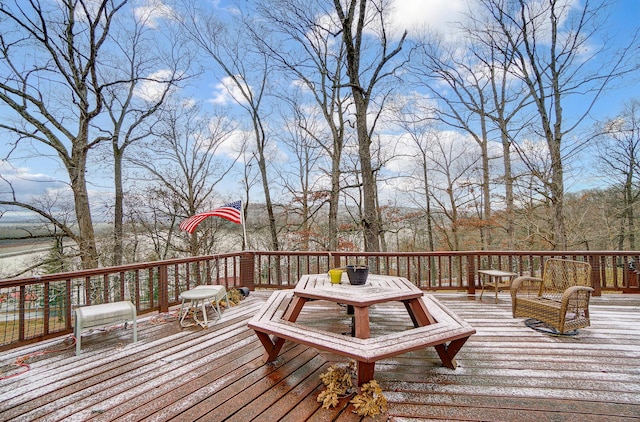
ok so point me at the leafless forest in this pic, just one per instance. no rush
(337, 127)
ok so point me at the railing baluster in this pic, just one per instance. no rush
(46, 309)
(68, 307)
(22, 322)
(106, 288)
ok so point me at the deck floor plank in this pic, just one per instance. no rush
(243, 390)
(506, 370)
(268, 393)
(121, 385)
(166, 394)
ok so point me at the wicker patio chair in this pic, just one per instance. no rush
(560, 299)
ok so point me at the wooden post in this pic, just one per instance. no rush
(247, 272)
(336, 260)
(596, 280)
(471, 275)
(163, 289)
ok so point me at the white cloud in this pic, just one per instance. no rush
(233, 144)
(152, 11)
(45, 192)
(434, 15)
(227, 92)
(242, 142)
(153, 87)
(24, 182)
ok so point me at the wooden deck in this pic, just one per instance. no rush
(506, 372)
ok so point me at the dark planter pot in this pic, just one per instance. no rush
(357, 274)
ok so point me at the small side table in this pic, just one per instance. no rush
(496, 280)
(197, 298)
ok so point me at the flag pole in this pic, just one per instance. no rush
(244, 227)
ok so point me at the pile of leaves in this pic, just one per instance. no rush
(338, 381)
(234, 297)
(370, 401)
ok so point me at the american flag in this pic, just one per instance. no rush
(229, 212)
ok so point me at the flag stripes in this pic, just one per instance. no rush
(229, 212)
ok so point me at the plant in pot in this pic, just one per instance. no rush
(357, 274)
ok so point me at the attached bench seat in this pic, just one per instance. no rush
(102, 315)
(447, 335)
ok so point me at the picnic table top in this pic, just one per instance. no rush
(377, 289)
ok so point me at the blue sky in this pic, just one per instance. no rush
(625, 18)
(33, 174)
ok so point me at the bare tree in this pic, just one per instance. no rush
(250, 178)
(480, 99)
(145, 80)
(55, 93)
(185, 168)
(246, 71)
(414, 119)
(465, 105)
(508, 99)
(453, 164)
(317, 62)
(366, 68)
(533, 220)
(306, 173)
(555, 48)
(152, 214)
(619, 155)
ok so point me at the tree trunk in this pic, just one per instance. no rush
(508, 189)
(87, 241)
(352, 42)
(485, 228)
(557, 197)
(334, 197)
(370, 223)
(118, 213)
(262, 165)
(427, 200)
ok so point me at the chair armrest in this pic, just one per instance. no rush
(525, 285)
(575, 299)
(578, 288)
(576, 291)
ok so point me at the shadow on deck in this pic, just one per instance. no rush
(506, 371)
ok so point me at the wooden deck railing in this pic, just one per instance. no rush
(36, 308)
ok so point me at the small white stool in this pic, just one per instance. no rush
(221, 294)
(103, 315)
(198, 297)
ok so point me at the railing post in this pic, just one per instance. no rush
(336, 260)
(68, 310)
(247, 270)
(596, 279)
(471, 275)
(21, 314)
(163, 289)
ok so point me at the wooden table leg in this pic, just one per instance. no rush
(421, 316)
(361, 322)
(365, 372)
(273, 347)
(448, 352)
(294, 308)
(418, 312)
